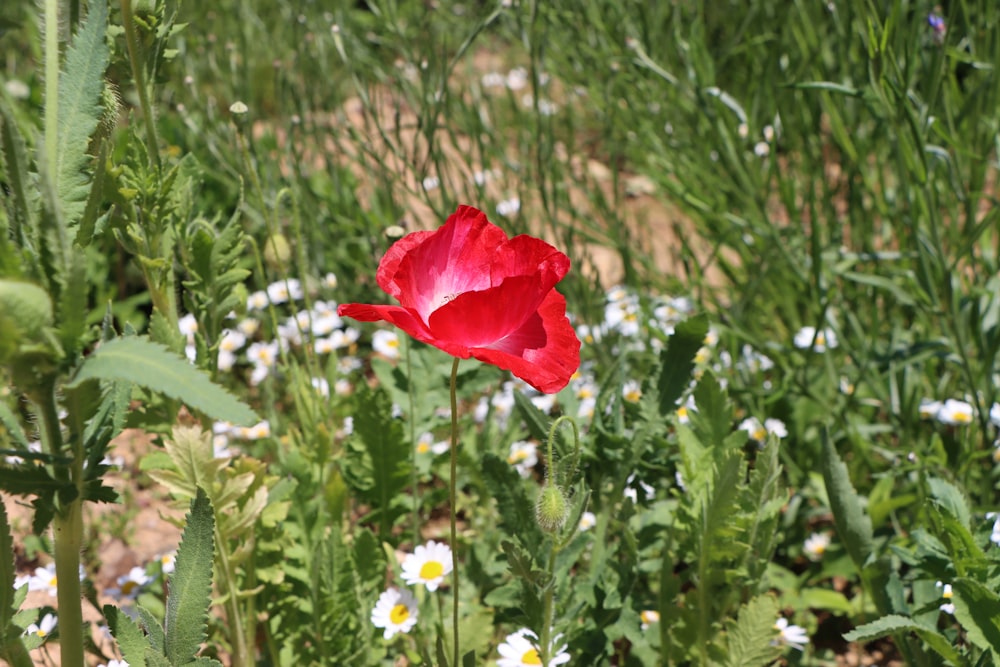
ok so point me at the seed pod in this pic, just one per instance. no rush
(277, 251)
(551, 509)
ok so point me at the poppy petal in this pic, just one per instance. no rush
(544, 351)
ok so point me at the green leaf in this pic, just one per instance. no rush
(80, 109)
(853, 525)
(677, 361)
(386, 453)
(978, 610)
(130, 638)
(893, 624)
(13, 426)
(138, 360)
(951, 498)
(750, 639)
(191, 584)
(517, 513)
(22, 214)
(7, 573)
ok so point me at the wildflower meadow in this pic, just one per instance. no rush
(499, 333)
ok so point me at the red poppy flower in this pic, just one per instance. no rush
(472, 292)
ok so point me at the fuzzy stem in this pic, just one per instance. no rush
(545, 636)
(230, 588)
(132, 41)
(413, 442)
(67, 528)
(452, 493)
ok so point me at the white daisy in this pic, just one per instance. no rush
(632, 391)
(818, 341)
(523, 456)
(648, 617)
(815, 545)
(44, 628)
(956, 413)
(130, 585)
(587, 521)
(948, 606)
(284, 291)
(429, 564)
(188, 326)
(386, 343)
(754, 429)
(520, 650)
(395, 611)
(790, 635)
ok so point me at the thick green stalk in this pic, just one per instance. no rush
(452, 493)
(67, 528)
(415, 489)
(138, 76)
(230, 589)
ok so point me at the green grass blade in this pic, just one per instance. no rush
(137, 359)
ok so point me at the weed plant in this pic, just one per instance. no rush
(780, 445)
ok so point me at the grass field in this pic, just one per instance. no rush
(778, 445)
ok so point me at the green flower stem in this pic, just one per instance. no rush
(413, 442)
(452, 493)
(230, 590)
(132, 42)
(67, 527)
(548, 604)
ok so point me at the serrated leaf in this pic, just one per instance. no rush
(7, 571)
(131, 640)
(191, 584)
(536, 420)
(853, 525)
(750, 641)
(138, 360)
(387, 452)
(13, 426)
(22, 212)
(517, 513)
(978, 610)
(80, 108)
(677, 361)
(950, 497)
(894, 624)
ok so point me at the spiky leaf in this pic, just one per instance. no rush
(138, 360)
(191, 584)
(978, 610)
(853, 525)
(750, 640)
(677, 361)
(7, 573)
(130, 638)
(894, 624)
(80, 109)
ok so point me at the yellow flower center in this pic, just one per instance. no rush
(963, 417)
(517, 456)
(42, 633)
(423, 448)
(531, 658)
(682, 412)
(399, 614)
(431, 570)
(759, 434)
(128, 587)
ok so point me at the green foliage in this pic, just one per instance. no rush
(378, 458)
(191, 584)
(80, 110)
(137, 360)
(180, 639)
(748, 641)
(853, 525)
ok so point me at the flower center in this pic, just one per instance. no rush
(531, 658)
(431, 570)
(128, 587)
(399, 614)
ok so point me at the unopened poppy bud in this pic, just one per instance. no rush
(551, 510)
(25, 310)
(277, 251)
(394, 232)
